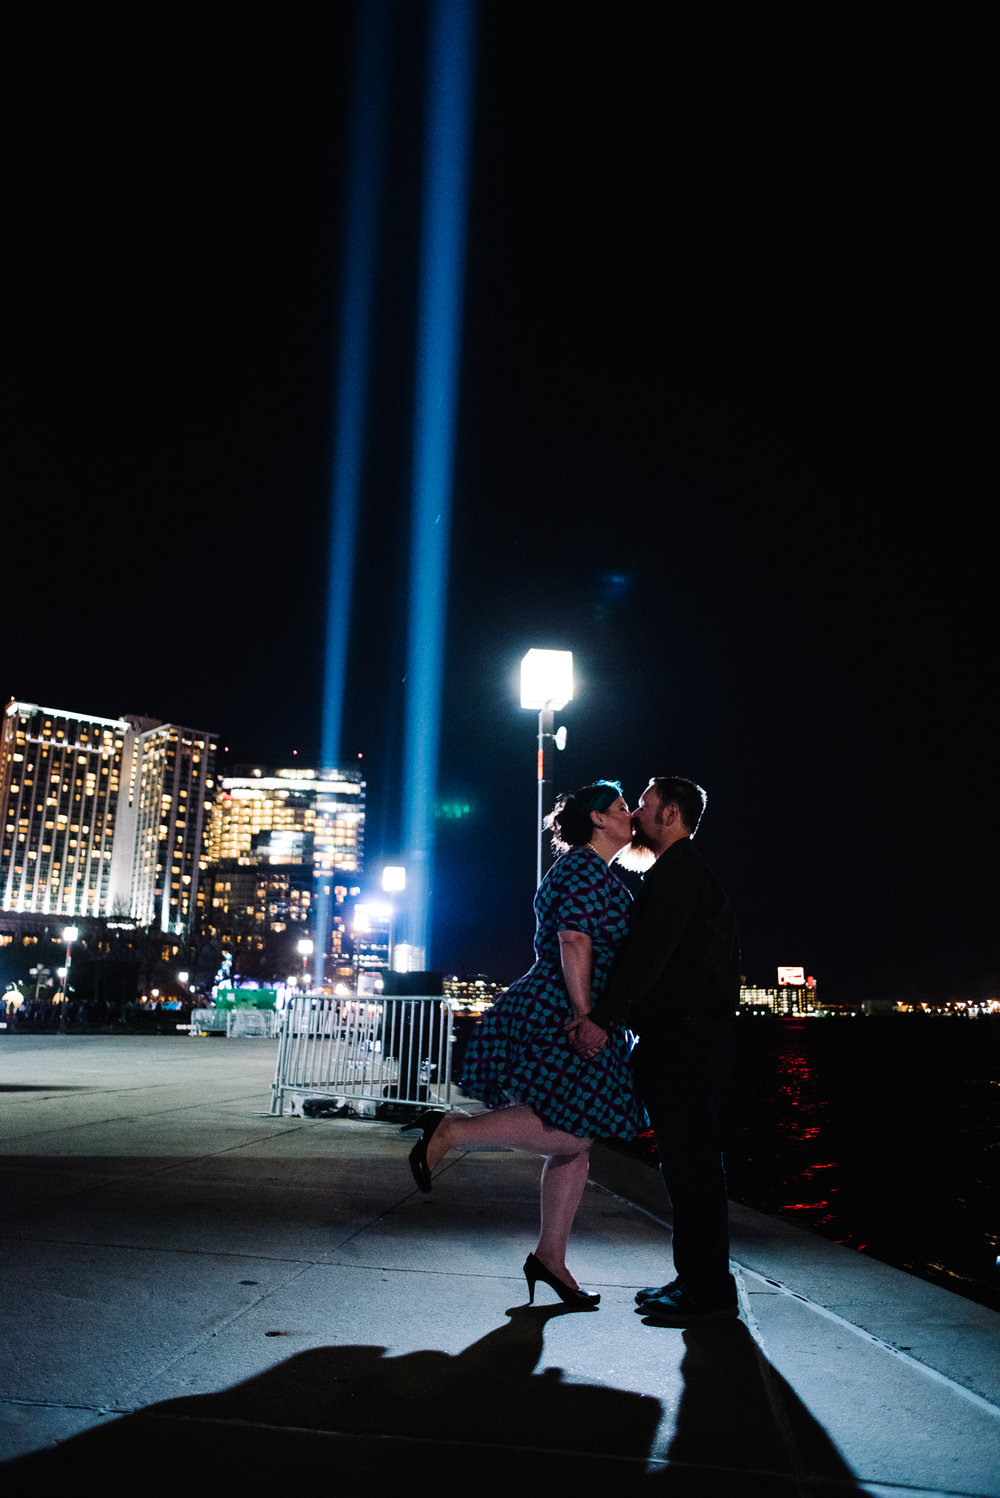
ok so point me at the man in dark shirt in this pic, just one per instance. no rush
(676, 984)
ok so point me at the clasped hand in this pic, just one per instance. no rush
(585, 1037)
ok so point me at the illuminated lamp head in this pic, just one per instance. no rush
(570, 821)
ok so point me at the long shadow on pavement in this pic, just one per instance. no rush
(741, 1429)
(352, 1418)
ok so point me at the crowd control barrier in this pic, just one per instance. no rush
(252, 1022)
(207, 1022)
(365, 1051)
(232, 1022)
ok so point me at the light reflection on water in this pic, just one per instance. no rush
(882, 1135)
(879, 1134)
(804, 1102)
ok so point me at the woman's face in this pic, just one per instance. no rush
(617, 821)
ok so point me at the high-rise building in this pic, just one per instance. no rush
(59, 783)
(372, 937)
(285, 846)
(102, 816)
(163, 806)
(290, 816)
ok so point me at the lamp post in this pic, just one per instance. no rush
(546, 686)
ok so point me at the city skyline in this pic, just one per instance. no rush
(725, 431)
(268, 841)
(123, 820)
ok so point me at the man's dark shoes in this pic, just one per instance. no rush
(677, 1307)
(653, 1292)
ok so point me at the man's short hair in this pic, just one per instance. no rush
(689, 797)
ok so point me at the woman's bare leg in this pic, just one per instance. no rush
(563, 1180)
(564, 1174)
(516, 1127)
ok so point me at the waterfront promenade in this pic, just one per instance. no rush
(197, 1293)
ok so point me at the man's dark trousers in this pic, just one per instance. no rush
(682, 1069)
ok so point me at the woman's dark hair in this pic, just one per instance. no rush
(569, 820)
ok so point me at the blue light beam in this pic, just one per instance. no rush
(442, 251)
(365, 161)
(364, 177)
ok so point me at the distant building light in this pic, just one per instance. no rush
(408, 959)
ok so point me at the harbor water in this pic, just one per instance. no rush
(881, 1134)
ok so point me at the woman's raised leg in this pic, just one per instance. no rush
(516, 1127)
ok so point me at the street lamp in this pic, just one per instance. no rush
(69, 936)
(393, 882)
(305, 947)
(546, 686)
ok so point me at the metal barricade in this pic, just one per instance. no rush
(365, 1051)
(232, 1022)
(207, 1021)
(251, 1022)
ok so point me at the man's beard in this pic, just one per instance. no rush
(637, 856)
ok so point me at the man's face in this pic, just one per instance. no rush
(647, 822)
(647, 834)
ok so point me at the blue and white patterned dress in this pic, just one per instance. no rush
(520, 1054)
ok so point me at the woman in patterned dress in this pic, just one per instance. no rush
(541, 1096)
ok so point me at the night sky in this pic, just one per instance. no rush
(725, 433)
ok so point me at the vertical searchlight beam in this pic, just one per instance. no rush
(364, 174)
(442, 252)
(364, 177)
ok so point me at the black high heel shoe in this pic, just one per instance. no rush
(418, 1154)
(535, 1270)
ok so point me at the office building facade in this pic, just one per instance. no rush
(159, 862)
(286, 854)
(784, 1001)
(59, 784)
(102, 816)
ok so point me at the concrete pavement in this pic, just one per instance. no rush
(195, 1292)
